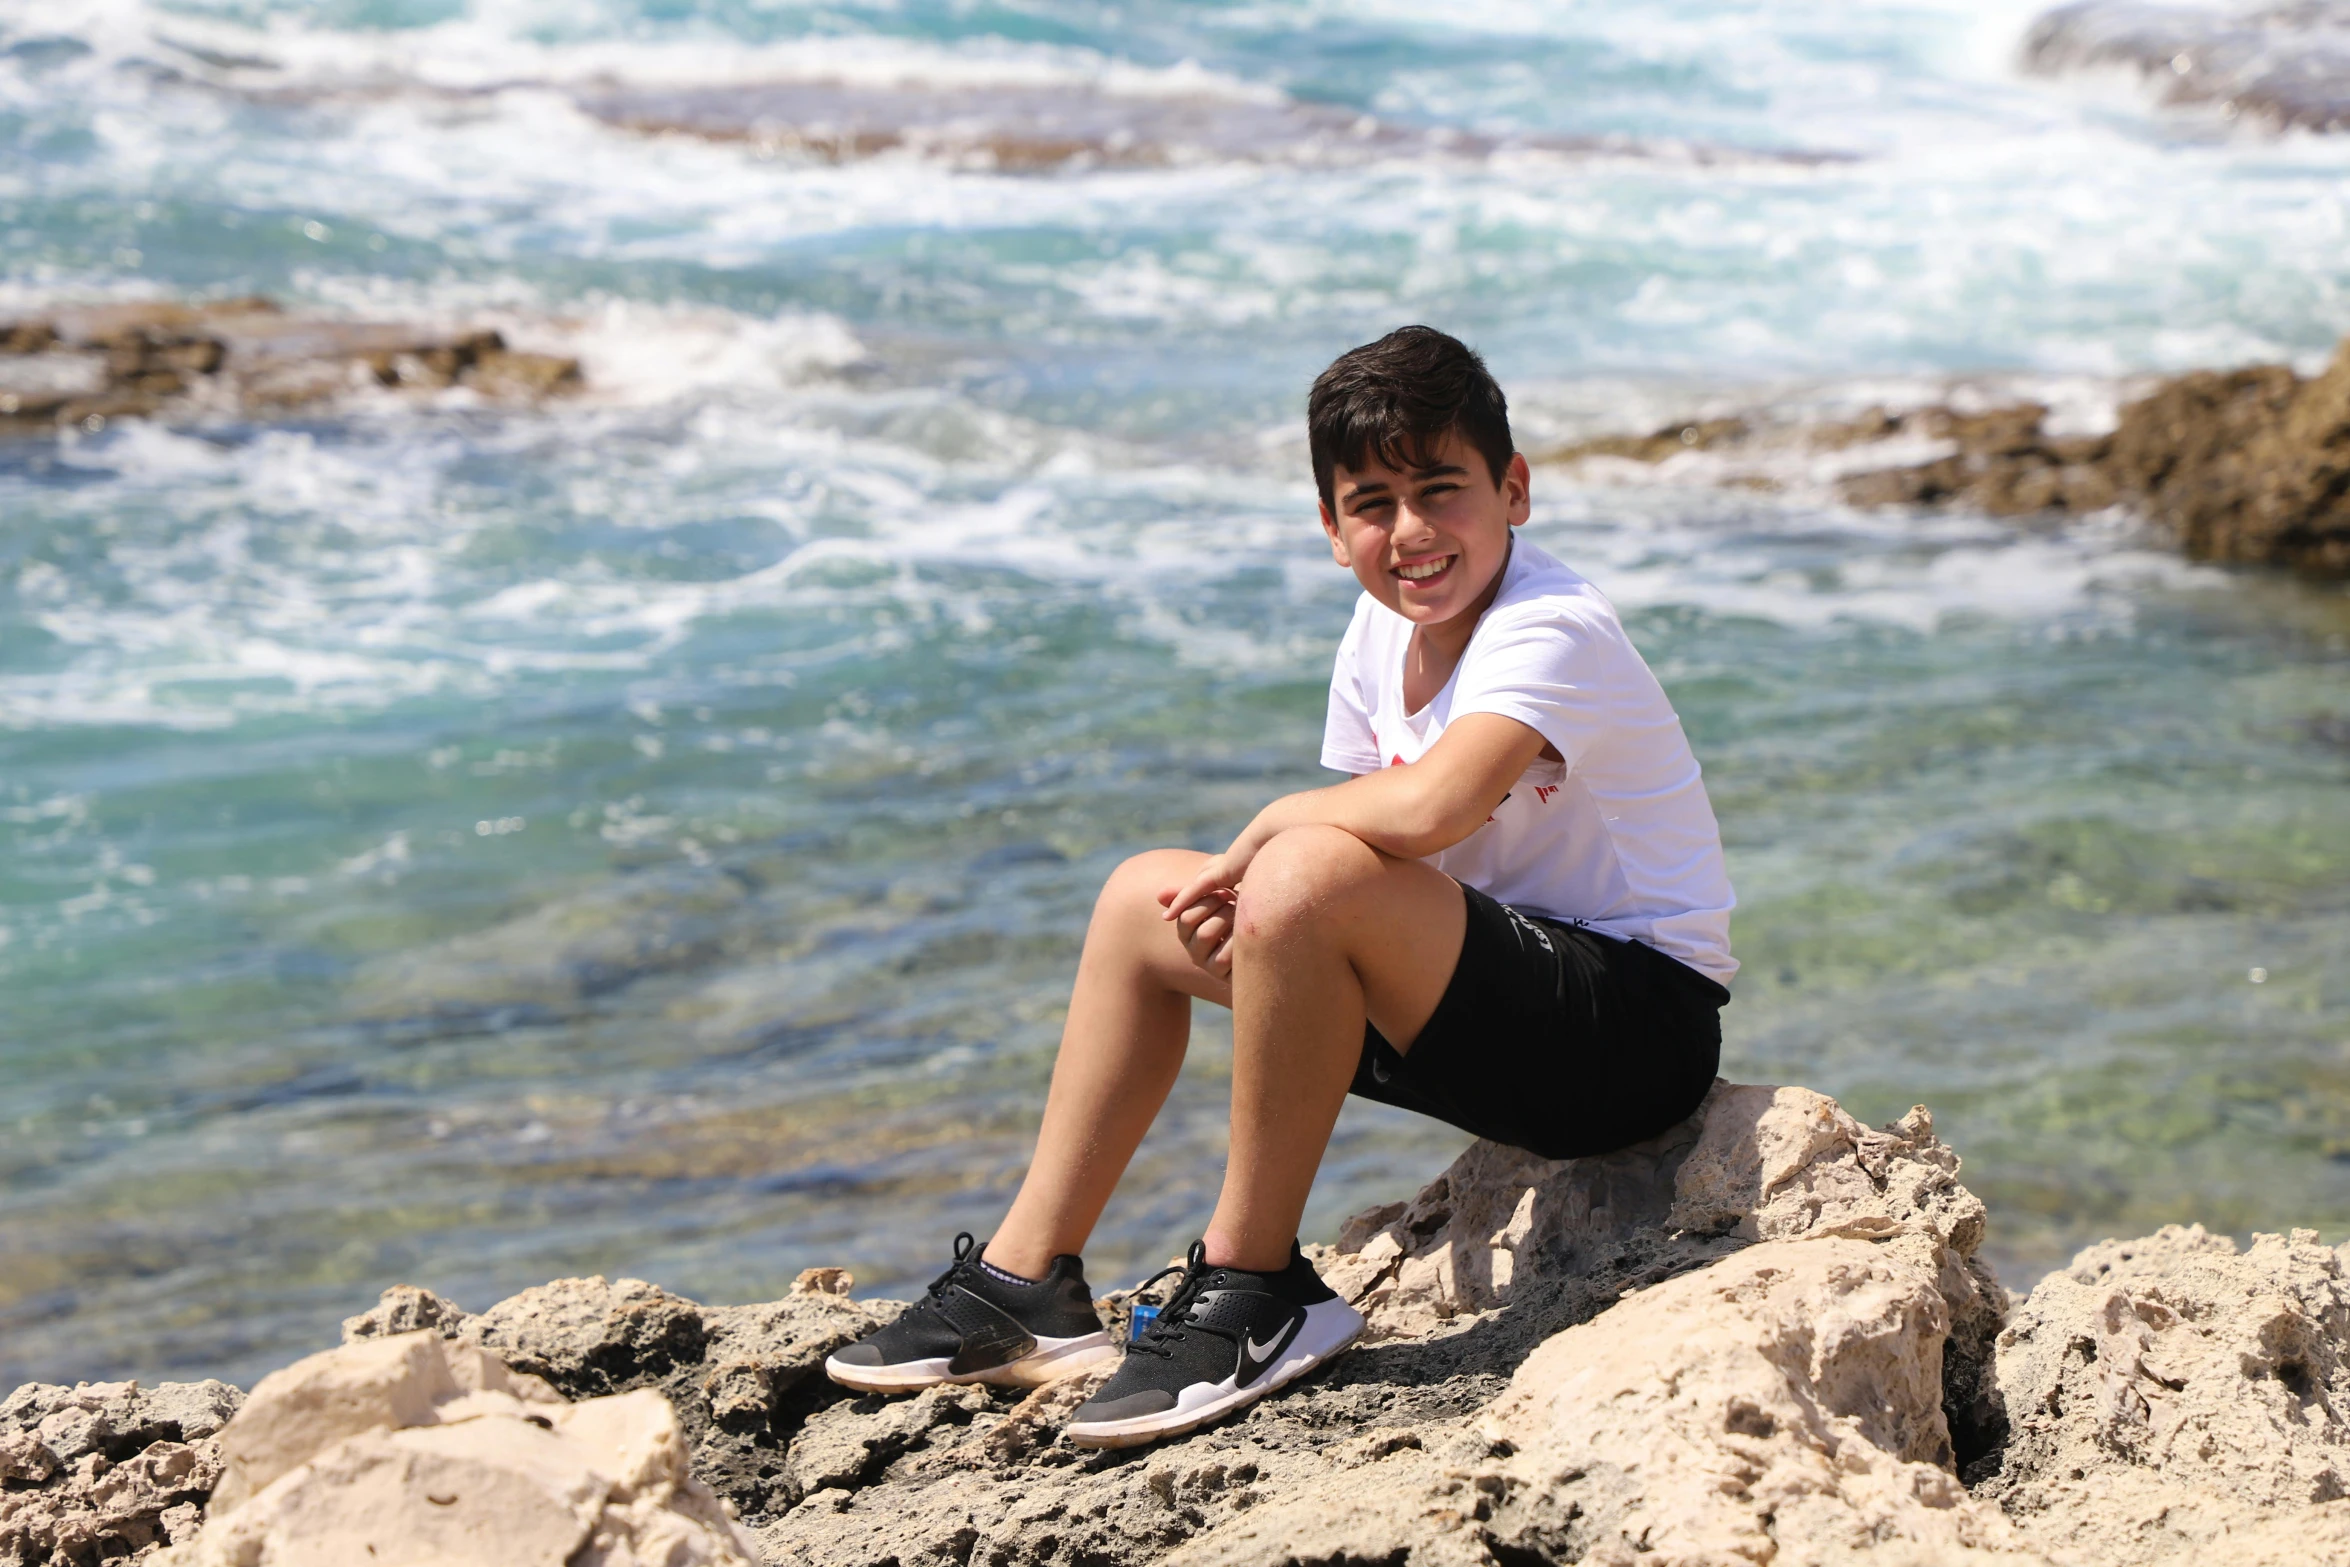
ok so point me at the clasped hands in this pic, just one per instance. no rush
(1204, 909)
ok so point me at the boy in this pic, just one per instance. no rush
(1513, 917)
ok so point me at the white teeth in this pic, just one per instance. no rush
(1423, 570)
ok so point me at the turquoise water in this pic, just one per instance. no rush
(652, 835)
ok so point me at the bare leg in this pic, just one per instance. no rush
(1129, 1023)
(1329, 932)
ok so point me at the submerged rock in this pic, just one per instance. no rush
(409, 1449)
(85, 365)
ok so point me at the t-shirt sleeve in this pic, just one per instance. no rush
(1547, 670)
(1349, 745)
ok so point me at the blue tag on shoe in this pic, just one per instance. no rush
(1143, 1317)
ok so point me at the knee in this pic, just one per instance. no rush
(1134, 887)
(1305, 875)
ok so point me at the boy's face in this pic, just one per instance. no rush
(1428, 543)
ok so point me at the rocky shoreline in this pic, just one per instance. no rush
(2247, 466)
(79, 367)
(1764, 1337)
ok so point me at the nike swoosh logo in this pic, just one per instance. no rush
(1260, 1354)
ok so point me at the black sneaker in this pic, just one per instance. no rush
(1224, 1339)
(973, 1326)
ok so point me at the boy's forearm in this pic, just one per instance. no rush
(1391, 811)
(1416, 810)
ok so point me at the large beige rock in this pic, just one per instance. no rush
(742, 1378)
(2174, 1399)
(408, 1449)
(1755, 1163)
(1781, 1405)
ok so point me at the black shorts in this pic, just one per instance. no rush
(1555, 1039)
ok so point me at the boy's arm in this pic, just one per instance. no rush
(1410, 812)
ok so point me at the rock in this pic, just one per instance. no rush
(106, 1471)
(407, 1379)
(408, 1449)
(2251, 465)
(1395, 1453)
(507, 374)
(2004, 464)
(405, 1308)
(1010, 127)
(742, 1378)
(83, 365)
(1695, 435)
(1783, 1404)
(2286, 65)
(1763, 1337)
(2248, 465)
(2173, 1398)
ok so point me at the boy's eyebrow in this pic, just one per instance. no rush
(1362, 487)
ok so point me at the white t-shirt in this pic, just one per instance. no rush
(1620, 835)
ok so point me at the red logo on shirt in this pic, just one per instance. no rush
(1543, 792)
(1398, 762)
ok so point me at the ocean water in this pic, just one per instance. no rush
(652, 834)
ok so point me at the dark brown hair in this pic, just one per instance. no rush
(1397, 398)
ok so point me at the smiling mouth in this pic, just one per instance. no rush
(1424, 573)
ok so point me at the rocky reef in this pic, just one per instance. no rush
(85, 365)
(1766, 1336)
(2246, 466)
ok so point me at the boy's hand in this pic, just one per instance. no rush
(1202, 911)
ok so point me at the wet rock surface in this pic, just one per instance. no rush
(1765, 1336)
(1011, 128)
(2283, 65)
(86, 365)
(2245, 466)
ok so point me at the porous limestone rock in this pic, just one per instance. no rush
(1777, 1257)
(408, 1449)
(742, 1378)
(1762, 1338)
(106, 1471)
(2175, 1399)
(1782, 1404)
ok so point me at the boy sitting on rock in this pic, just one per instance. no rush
(1514, 917)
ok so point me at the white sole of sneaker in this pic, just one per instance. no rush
(1051, 1360)
(1329, 1328)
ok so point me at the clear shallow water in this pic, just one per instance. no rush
(653, 835)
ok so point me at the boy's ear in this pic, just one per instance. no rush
(1338, 551)
(1517, 489)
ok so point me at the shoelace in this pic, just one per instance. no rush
(965, 1244)
(1168, 1327)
